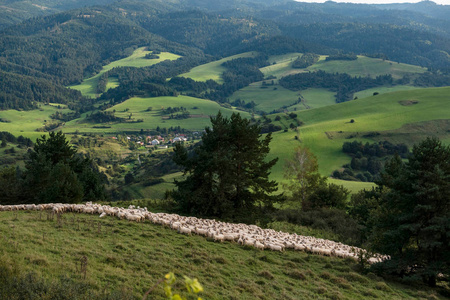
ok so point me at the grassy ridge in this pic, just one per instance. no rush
(213, 70)
(281, 65)
(366, 66)
(89, 86)
(200, 110)
(131, 257)
(327, 128)
(266, 99)
(26, 122)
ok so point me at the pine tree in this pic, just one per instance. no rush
(228, 172)
(413, 220)
(56, 173)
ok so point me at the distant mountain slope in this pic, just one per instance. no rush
(16, 11)
(398, 43)
(65, 48)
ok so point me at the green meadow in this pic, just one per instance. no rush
(325, 129)
(213, 70)
(281, 65)
(267, 98)
(125, 259)
(26, 122)
(200, 111)
(89, 86)
(383, 90)
(366, 66)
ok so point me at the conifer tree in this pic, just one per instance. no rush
(413, 219)
(227, 174)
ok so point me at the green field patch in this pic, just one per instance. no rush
(366, 66)
(281, 65)
(315, 98)
(89, 86)
(26, 122)
(213, 70)
(267, 99)
(413, 133)
(383, 90)
(199, 110)
(380, 113)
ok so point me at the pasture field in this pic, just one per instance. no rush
(366, 66)
(273, 97)
(26, 122)
(267, 99)
(214, 69)
(383, 90)
(200, 109)
(326, 129)
(89, 86)
(315, 98)
(124, 259)
(281, 65)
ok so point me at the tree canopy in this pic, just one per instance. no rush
(56, 173)
(412, 219)
(227, 173)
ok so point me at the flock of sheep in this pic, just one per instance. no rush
(249, 235)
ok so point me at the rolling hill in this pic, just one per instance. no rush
(125, 259)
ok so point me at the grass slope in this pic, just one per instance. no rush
(281, 65)
(270, 99)
(89, 86)
(132, 257)
(213, 70)
(327, 128)
(266, 99)
(199, 109)
(366, 66)
(26, 122)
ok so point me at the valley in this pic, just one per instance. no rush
(328, 120)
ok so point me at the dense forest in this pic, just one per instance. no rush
(343, 84)
(69, 42)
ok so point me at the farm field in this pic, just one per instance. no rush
(267, 99)
(366, 66)
(213, 70)
(326, 129)
(281, 65)
(383, 90)
(124, 259)
(200, 110)
(26, 122)
(89, 86)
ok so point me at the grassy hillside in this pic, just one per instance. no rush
(266, 99)
(281, 65)
(89, 86)
(327, 128)
(126, 259)
(366, 66)
(199, 109)
(213, 70)
(26, 122)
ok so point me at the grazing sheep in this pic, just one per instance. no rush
(184, 230)
(250, 235)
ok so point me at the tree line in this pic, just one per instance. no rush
(343, 84)
(54, 172)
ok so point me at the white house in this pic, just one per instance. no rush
(155, 142)
(179, 139)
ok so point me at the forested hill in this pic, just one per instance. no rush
(15, 11)
(66, 47)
